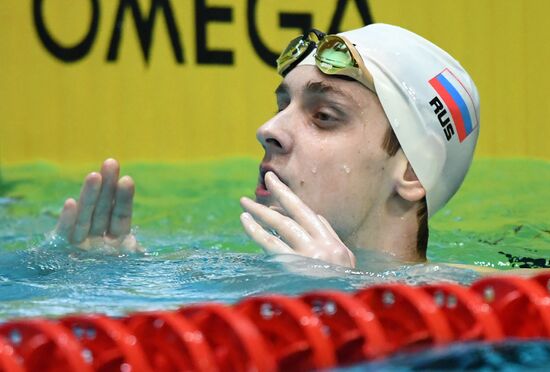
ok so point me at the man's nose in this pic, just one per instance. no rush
(275, 135)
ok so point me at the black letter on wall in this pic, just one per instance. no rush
(66, 54)
(362, 7)
(205, 15)
(301, 21)
(145, 27)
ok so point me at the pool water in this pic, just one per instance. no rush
(186, 216)
(508, 355)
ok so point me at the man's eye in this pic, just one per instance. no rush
(323, 116)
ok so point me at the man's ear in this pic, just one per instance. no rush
(407, 184)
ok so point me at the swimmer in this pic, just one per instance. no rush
(375, 131)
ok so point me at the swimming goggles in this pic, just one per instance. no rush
(335, 55)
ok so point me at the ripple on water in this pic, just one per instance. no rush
(61, 280)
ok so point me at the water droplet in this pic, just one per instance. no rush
(489, 294)
(158, 323)
(90, 333)
(266, 311)
(330, 308)
(16, 337)
(314, 170)
(451, 302)
(439, 298)
(87, 356)
(411, 92)
(316, 307)
(78, 331)
(131, 340)
(346, 169)
(193, 337)
(388, 298)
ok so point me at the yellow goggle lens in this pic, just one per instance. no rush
(333, 57)
(293, 51)
(333, 54)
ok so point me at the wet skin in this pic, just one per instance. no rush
(323, 183)
(325, 175)
(103, 214)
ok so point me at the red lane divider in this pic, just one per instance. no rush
(294, 333)
(9, 360)
(172, 343)
(316, 330)
(45, 345)
(544, 280)
(468, 316)
(522, 305)
(356, 333)
(237, 344)
(409, 316)
(108, 345)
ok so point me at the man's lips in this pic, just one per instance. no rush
(261, 189)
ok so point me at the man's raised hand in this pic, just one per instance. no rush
(103, 214)
(298, 231)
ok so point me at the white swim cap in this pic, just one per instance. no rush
(430, 101)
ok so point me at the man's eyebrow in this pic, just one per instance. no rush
(322, 88)
(314, 88)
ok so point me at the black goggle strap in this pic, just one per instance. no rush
(317, 35)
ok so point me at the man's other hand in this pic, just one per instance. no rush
(103, 214)
(298, 230)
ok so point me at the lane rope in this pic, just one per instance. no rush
(316, 330)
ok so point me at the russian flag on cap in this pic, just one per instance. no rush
(458, 100)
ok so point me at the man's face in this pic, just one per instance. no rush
(325, 143)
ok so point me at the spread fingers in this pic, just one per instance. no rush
(102, 212)
(269, 243)
(294, 206)
(86, 206)
(290, 231)
(67, 220)
(121, 217)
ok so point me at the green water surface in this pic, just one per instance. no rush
(500, 217)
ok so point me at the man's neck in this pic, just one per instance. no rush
(391, 229)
